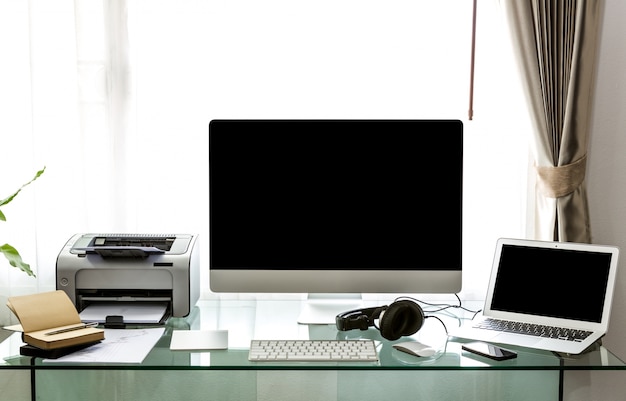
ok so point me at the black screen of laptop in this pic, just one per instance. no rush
(561, 283)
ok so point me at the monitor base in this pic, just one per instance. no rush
(324, 308)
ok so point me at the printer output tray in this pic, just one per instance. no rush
(132, 312)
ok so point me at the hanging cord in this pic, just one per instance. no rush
(473, 53)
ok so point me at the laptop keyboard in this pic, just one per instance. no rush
(533, 329)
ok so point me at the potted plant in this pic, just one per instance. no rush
(9, 251)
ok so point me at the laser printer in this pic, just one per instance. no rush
(130, 275)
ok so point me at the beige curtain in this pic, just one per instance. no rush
(555, 44)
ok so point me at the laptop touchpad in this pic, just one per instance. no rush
(507, 338)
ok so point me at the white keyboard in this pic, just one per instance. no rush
(312, 351)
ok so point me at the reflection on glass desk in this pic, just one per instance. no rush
(277, 319)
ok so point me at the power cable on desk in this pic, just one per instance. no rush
(442, 307)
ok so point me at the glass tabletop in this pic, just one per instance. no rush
(277, 319)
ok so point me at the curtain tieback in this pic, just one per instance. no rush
(556, 182)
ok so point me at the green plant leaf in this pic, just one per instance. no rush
(10, 252)
(15, 259)
(10, 198)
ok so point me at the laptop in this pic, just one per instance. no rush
(553, 296)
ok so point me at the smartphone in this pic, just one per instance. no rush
(489, 351)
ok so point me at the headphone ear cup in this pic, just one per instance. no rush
(401, 318)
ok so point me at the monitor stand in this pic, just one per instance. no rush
(323, 308)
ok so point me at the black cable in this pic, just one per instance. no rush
(440, 321)
(442, 307)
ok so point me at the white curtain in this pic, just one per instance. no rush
(556, 48)
(114, 98)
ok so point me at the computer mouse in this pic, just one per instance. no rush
(415, 348)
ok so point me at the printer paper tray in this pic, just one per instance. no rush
(133, 312)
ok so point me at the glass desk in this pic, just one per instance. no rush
(228, 375)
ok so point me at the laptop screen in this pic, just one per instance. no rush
(550, 282)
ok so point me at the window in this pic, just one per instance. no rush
(148, 76)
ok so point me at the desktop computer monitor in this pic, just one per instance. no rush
(335, 206)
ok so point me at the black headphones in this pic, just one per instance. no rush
(401, 318)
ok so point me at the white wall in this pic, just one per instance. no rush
(606, 184)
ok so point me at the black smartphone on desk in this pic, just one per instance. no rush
(489, 351)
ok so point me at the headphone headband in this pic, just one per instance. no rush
(358, 318)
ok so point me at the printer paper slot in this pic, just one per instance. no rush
(141, 252)
(133, 312)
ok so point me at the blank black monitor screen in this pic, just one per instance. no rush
(335, 205)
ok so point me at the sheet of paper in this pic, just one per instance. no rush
(133, 312)
(14, 327)
(118, 346)
(191, 340)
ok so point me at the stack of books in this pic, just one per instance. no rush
(51, 326)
